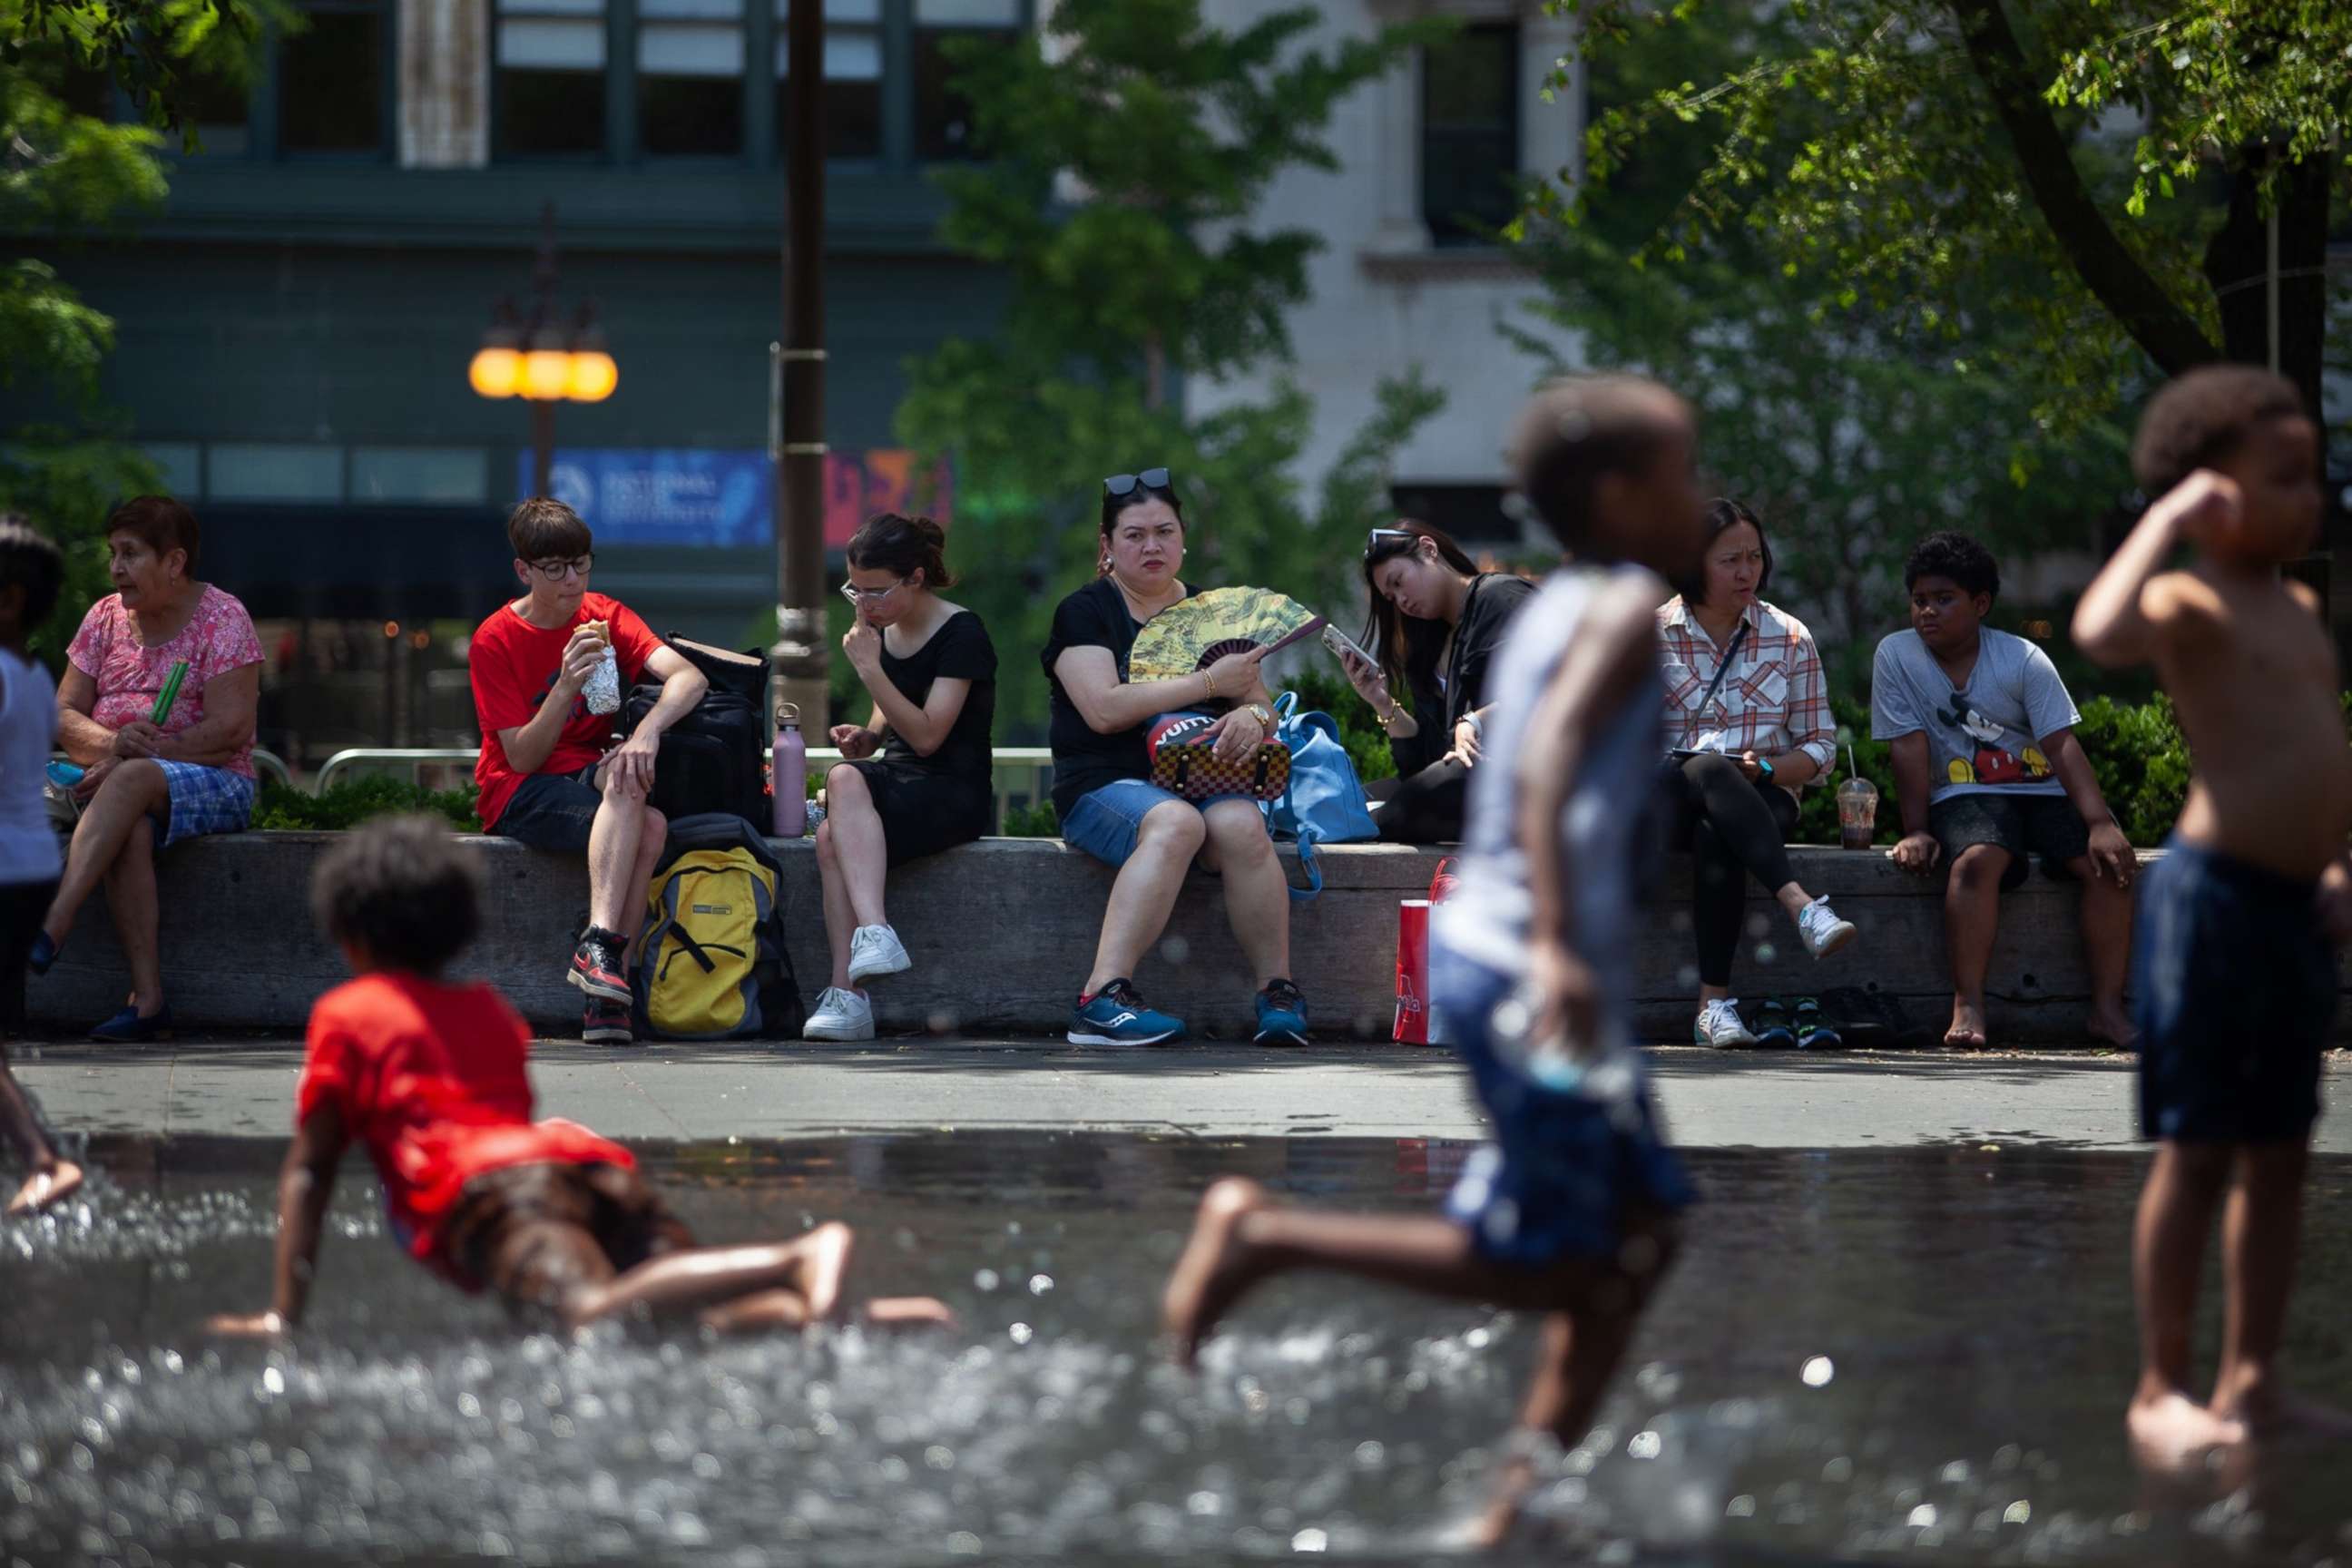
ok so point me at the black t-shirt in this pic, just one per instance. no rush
(1095, 616)
(1494, 598)
(958, 650)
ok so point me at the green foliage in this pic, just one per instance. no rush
(1037, 821)
(2142, 762)
(158, 52)
(1853, 429)
(360, 800)
(1128, 145)
(2037, 188)
(64, 173)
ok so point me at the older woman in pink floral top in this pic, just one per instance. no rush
(150, 785)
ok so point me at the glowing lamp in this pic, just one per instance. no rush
(592, 376)
(494, 370)
(545, 372)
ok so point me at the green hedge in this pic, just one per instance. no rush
(349, 805)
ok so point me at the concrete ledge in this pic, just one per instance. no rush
(1003, 932)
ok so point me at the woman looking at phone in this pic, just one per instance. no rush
(1747, 719)
(1436, 623)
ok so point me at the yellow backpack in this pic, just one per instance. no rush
(712, 963)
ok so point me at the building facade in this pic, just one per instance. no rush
(1411, 274)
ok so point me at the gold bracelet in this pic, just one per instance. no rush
(1209, 683)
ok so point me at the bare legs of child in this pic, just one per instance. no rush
(762, 1285)
(51, 1177)
(2258, 1191)
(1243, 1237)
(1972, 920)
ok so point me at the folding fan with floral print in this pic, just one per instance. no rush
(1194, 633)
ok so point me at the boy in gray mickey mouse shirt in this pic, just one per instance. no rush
(1988, 773)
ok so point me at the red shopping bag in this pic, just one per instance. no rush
(1415, 1024)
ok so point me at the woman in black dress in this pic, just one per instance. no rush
(917, 778)
(1436, 623)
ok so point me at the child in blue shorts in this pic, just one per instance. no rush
(2234, 979)
(1570, 1212)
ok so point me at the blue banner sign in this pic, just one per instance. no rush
(664, 496)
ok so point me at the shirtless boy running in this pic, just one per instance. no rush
(2234, 978)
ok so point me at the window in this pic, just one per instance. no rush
(691, 76)
(551, 78)
(268, 472)
(424, 476)
(219, 106)
(943, 128)
(1473, 514)
(331, 81)
(853, 79)
(1470, 134)
(180, 466)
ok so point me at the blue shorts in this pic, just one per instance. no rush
(1105, 822)
(2234, 991)
(203, 800)
(1566, 1163)
(552, 811)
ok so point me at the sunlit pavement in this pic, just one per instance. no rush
(232, 1087)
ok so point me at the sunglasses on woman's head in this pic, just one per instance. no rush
(1127, 484)
(1386, 541)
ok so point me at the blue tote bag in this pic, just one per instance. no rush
(1325, 802)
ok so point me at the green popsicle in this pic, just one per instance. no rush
(170, 692)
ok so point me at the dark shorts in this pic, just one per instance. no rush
(23, 907)
(923, 811)
(2046, 826)
(1567, 1169)
(2234, 991)
(552, 811)
(536, 1234)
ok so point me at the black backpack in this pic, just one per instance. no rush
(710, 760)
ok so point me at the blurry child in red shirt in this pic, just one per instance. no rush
(430, 1076)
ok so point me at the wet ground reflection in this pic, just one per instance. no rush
(1863, 1355)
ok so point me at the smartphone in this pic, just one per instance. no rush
(1341, 645)
(1683, 753)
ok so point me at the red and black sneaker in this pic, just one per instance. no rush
(596, 967)
(606, 1024)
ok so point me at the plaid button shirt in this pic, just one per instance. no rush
(1775, 700)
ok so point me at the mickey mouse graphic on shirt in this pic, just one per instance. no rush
(1993, 764)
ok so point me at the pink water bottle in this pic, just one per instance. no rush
(788, 774)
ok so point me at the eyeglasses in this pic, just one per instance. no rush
(553, 570)
(1384, 541)
(1127, 484)
(857, 595)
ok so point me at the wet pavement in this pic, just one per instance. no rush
(1865, 1355)
(1744, 1100)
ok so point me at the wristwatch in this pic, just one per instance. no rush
(1766, 765)
(1265, 719)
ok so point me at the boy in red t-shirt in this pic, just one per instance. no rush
(550, 774)
(431, 1077)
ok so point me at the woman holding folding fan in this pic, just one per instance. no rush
(1436, 623)
(1103, 790)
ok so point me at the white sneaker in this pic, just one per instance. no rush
(1718, 1025)
(840, 1016)
(1823, 932)
(876, 949)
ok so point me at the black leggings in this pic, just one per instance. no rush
(1425, 808)
(1731, 827)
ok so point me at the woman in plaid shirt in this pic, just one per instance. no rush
(1751, 736)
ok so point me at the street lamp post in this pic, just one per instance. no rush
(799, 655)
(543, 362)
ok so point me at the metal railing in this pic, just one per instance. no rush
(1020, 773)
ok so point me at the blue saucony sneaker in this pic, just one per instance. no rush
(1281, 1014)
(1116, 1015)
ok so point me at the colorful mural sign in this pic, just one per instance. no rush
(702, 498)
